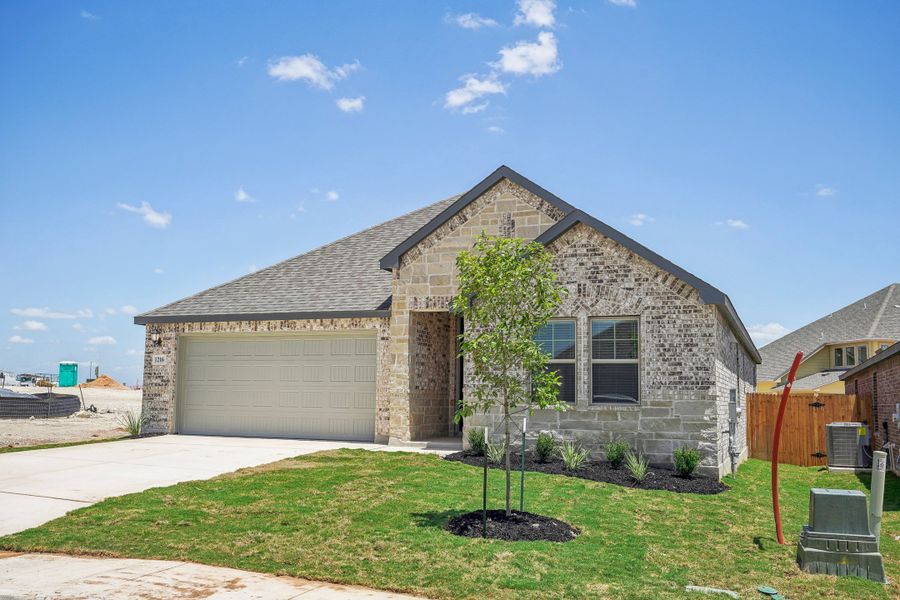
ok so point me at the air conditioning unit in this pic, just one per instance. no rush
(846, 445)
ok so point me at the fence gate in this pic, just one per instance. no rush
(805, 417)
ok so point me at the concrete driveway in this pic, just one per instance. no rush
(37, 486)
(41, 576)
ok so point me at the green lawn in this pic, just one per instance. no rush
(377, 518)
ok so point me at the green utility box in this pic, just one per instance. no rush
(68, 374)
(837, 540)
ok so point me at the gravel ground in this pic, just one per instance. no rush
(80, 426)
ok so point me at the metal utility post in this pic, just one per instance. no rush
(484, 489)
(876, 502)
(522, 486)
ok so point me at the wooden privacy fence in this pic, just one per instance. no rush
(803, 432)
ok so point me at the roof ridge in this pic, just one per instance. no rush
(296, 256)
(877, 320)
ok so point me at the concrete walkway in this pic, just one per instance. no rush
(40, 576)
(37, 486)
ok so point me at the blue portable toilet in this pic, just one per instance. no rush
(68, 373)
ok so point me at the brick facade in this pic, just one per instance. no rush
(686, 365)
(880, 385)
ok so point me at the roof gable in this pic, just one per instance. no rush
(708, 293)
(392, 259)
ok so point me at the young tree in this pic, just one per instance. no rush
(507, 292)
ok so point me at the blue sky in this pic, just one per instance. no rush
(152, 150)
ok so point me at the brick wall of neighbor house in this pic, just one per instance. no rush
(884, 406)
(425, 279)
(159, 381)
(430, 347)
(679, 351)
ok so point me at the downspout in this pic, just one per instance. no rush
(734, 411)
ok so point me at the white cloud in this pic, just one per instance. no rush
(102, 340)
(531, 58)
(132, 352)
(241, 61)
(241, 195)
(32, 326)
(252, 268)
(301, 207)
(46, 313)
(128, 309)
(734, 223)
(89, 16)
(472, 89)
(763, 334)
(536, 12)
(160, 220)
(109, 311)
(471, 21)
(475, 108)
(309, 68)
(77, 326)
(825, 191)
(626, 3)
(159, 270)
(18, 339)
(639, 219)
(351, 104)
(496, 129)
(332, 195)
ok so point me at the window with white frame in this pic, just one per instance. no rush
(557, 339)
(614, 361)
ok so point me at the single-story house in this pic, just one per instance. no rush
(877, 380)
(355, 340)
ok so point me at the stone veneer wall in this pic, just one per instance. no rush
(430, 346)
(160, 380)
(679, 336)
(425, 279)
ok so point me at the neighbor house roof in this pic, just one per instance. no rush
(815, 381)
(893, 350)
(340, 279)
(708, 293)
(877, 316)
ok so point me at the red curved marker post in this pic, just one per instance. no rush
(776, 506)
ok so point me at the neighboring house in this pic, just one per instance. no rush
(877, 380)
(833, 344)
(355, 340)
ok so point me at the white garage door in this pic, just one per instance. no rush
(319, 386)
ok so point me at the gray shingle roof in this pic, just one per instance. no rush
(873, 317)
(342, 278)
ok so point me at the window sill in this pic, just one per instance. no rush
(630, 406)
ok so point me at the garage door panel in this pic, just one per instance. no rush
(318, 386)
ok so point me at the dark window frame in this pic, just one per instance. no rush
(631, 361)
(568, 361)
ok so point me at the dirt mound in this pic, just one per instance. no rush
(107, 382)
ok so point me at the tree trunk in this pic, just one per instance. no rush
(506, 441)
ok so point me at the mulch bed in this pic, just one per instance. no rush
(658, 477)
(518, 527)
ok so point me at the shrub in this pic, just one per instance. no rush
(132, 423)
(686, 460)
(616, 450)
(476, 440)
(545, 447)
(572, 455)
(637, 466)
(496, 453)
